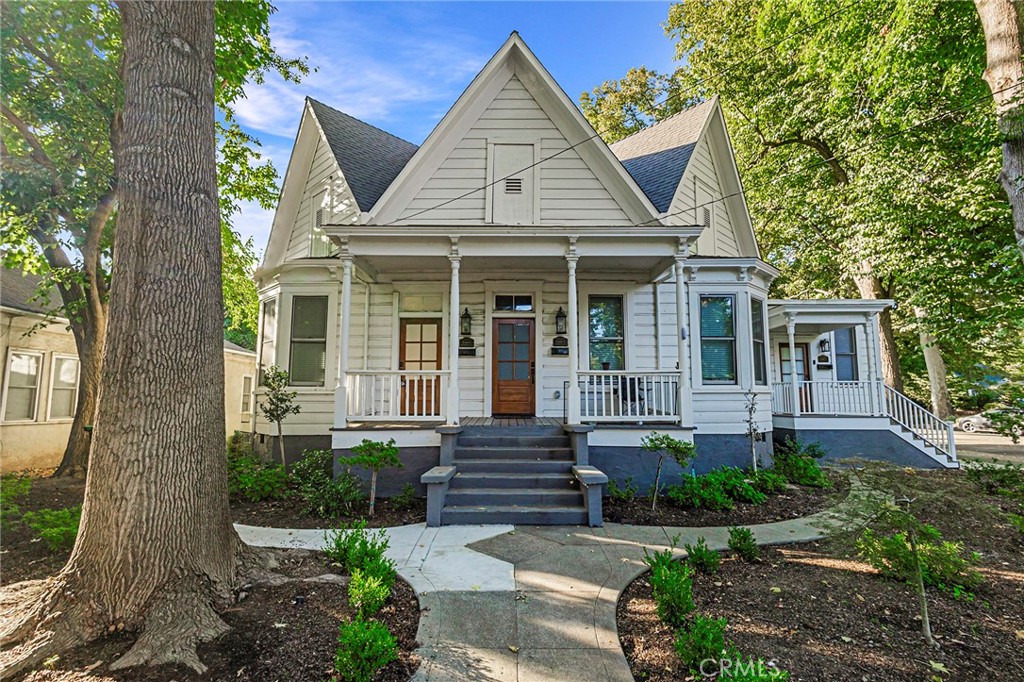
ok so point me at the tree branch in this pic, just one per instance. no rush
(820, 146)
(39, 155)
(64, 76)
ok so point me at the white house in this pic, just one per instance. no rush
(515, 298)
(39, 380)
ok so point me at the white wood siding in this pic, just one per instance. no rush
(569, 191)
(323, 176)
(720, 240)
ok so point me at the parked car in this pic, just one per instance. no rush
(983, 421)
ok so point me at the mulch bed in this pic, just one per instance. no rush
(274, 636)
(795, 502)
(835, 619)
(288, 513)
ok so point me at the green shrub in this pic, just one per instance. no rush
(703, 558)
(239, 444)
(798, 462)
(769, 481)
(353, 547)
(1017, 521)
(12, 487)
(666, 446)
(58, 528)
(254, 479)
(364, 647)
(626, 493)
(367, 591)
(699, 492)
(405, 499)
(703, 640)
(741, 541)
(664, 559)
(752, 670)
(734, 483)
(673, 592)
(325, 496)
(943, 564)
(998, 478)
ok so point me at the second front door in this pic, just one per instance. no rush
(512, 391)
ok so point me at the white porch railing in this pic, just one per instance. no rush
(928, 426)
(618, 396)
(397, 395)
(828, 397)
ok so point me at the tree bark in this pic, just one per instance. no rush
(936, 368)
(871, 287)
(89, 342)
(156, 551)
(1002, 22)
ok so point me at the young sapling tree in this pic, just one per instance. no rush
(666, 446)
(753, 432)
(278, 403)
(375, 455)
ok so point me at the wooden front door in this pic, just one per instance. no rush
(420, 350)
(803, 372)
(512, 391)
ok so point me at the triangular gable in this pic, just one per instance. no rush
(712, 162)
(513, 66)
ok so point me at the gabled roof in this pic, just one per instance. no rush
(18, 291)
(657, 156)
(369, 157)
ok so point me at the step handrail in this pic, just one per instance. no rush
(924, 424)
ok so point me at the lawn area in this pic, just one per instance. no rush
(822, 612)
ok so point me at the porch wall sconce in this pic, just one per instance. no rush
(824, 346)
(560, 344)
(467, 346)
(560, 318)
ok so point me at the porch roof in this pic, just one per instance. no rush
(823, 315)
(649, 250)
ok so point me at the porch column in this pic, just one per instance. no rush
(685, 396)
(794, 387)
(573, 392)
(871, 350)
(453, 341)
(341, 390)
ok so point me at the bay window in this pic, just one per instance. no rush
(718, 339)
(308, 360)
(757, 333)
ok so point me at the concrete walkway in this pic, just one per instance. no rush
(528, 603)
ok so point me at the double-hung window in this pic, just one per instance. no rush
(607, 333)
(268, 335)
(246, 394)
(308, 361)
(63, 387)
(23, 370)
(757, 333)
(718, 339)
(846, 354)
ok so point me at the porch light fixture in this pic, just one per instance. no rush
(560, 318)
(824, 346)
(466, 323)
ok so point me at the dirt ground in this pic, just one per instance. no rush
(824, 616)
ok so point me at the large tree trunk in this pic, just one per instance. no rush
(1002, 22)
(89, 339)
(871, 287)
(936, 368)
(156, 551)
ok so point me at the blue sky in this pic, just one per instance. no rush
(401, 65)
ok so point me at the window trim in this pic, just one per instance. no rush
(852, 354)
(514, 310)
(247, 395)
(11, 352)
(590, 339)
(309, 340)
(274, 335)
(49, 392)
(754, 302)
(733, 339)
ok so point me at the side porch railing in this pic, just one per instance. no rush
(398, 395)
(632, 397)
(932, 429)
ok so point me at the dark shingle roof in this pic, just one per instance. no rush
(18, 290)
(657, 156)
(369, 157)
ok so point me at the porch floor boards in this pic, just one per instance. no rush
(465, 421)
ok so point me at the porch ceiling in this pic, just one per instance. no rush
(820, 316)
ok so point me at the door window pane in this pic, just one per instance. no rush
(22, 386)
(308, 360)
(606, 326)
(718, 339)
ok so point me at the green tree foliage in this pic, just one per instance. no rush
(60, 129)
(868, 146)
(278, 402)
(374, 456)
(666, 446)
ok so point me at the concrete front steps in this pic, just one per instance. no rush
(514, 475)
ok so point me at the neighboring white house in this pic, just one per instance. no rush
(516, 266)
(40, 378)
